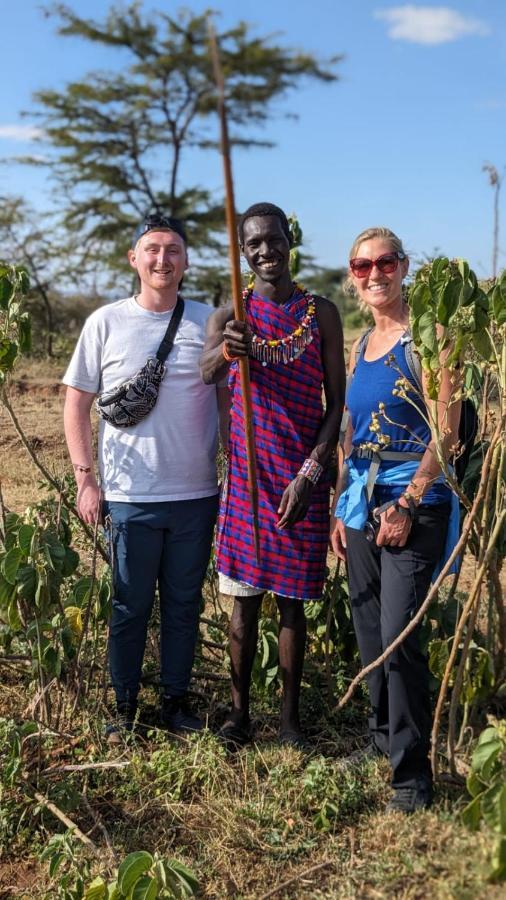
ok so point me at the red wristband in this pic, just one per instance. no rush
(226, 354)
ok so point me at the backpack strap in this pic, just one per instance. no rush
(362, 344)
(413, 360)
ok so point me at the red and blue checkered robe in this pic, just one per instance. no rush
(287, 415)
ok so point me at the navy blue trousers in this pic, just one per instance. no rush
(387, 586)
(165, 544)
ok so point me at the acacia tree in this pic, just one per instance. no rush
(120, 136)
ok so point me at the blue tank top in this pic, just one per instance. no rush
(372, 384)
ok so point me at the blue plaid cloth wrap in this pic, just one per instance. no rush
(353, 509)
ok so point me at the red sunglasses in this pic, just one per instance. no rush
(386, 263)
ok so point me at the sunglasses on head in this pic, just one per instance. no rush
(386, 263)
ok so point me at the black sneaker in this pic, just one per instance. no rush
(410, 799)
(123, 725)
(177, 716)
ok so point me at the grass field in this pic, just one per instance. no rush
(265, 822)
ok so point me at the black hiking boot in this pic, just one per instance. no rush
(177, 717)
(123, 724)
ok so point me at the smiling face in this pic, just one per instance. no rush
(160, 260)
(266, 248)
(378, 289)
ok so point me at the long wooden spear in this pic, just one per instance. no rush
(235, 272)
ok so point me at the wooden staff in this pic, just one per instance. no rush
(235, 270)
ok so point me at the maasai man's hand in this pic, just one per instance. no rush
(237, 338)
(295, 501)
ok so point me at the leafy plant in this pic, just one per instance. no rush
(141, 875)
(15, 324)
(486, 783)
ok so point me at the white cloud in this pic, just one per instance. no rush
(429, 24)
(20, 132)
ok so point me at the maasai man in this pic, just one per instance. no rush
(295, 345)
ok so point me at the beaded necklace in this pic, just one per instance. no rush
(290, 347)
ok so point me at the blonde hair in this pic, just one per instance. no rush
(378, 231)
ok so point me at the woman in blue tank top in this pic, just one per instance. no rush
(390, 562)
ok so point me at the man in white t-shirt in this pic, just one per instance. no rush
(157, 490)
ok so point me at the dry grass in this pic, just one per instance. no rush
(246, 824)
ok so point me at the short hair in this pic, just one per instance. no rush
(157, 222)
(264, 209)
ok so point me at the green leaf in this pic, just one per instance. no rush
(81, 590)
(26, 580)
(8, 354)
(438, 657)
(427, 328)
(471, 814)
(146, 888)
(52, 661)
(499, 860)
(96, 890)
(463, 267)
(484, 754)
(70, 562)
(6, 289)
(5, 592)
(482, 344)
(448, 302)
(474, 784)
(113, 891)
(132, 868)
(493, 805)
(25, 536)
(55, 864)
(24, 333)
(180, 878)
(13, 617)
(11, 563)
(499, 303)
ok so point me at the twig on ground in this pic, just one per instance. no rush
(87, 767)
(297, 877)
(67, 822)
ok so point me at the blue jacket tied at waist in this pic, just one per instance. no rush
(353, 508)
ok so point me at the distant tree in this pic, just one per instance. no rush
(32, 239)
(120, 136)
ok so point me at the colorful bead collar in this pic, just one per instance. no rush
(290, 347)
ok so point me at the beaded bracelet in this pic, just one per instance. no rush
(311, 469)
(226, 354)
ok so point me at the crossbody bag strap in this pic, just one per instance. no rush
(169, 336)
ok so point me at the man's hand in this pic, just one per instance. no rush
(338, 539)
(295, 501)
(89, 500)
(237, 338)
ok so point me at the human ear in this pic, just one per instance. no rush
(132, 259)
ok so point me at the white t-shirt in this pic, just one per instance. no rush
(171, 454)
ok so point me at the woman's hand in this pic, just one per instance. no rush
(338, 539)
(394, 529)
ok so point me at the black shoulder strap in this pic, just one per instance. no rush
(169, 336)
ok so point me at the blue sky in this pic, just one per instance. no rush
(399, 140)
